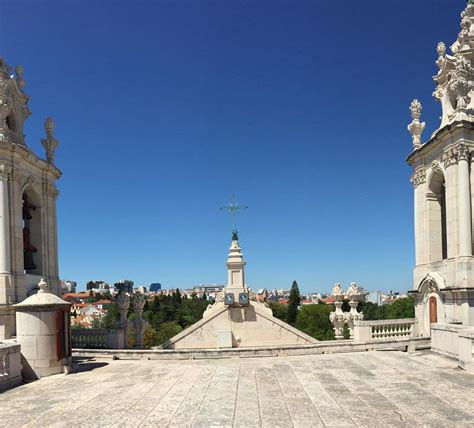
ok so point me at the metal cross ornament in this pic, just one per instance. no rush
(233, 207)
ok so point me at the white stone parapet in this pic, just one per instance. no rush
(372, 331)
(10, 364)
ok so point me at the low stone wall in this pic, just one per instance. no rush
(383, 330)
(455, 341)
(327, 347)
(10, 364)
(98, 338)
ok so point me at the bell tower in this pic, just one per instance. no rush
(443, 180)
(28, 231)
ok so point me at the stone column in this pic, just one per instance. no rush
(451, 201)
(123, 303)
(464, 203)
(5, 265)
(418, 179)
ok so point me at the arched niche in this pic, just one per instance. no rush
(32, 231)
(431, 299)
(436, 227)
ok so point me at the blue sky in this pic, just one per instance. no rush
(164, 109)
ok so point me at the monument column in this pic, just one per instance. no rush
(464, 204)
(4, 221)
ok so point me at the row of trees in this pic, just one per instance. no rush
(166, 316)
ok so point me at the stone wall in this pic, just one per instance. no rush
(10, 364)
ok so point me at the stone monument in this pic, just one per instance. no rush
(443, 181)
(237, 319)
(28, 231)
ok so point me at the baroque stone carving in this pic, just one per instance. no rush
(416, 127)
(449, 158)
(418, 177)
(5, 171)
(49, 143)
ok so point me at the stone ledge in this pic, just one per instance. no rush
(328, 347)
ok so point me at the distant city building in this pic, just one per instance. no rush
(210, 290)
(97, 285)
(124, 285)
(155, 287)
(68, 286)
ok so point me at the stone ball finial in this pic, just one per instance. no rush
(43, 286)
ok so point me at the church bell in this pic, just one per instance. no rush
(29, 263)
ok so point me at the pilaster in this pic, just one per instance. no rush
(464, 203)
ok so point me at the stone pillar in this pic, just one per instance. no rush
(451, 202)
(337, 317)
(139, 301)
(5, 254)
(464, 204)
(419, 179)
(123, 303)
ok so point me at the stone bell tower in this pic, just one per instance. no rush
(28, 232)
(443, 180)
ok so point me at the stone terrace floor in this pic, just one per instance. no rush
(372, 389)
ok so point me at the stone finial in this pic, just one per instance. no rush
(49, 143)
(353, 290)
(416, 127)
(337, 290)
(441, 49)
(43, 286)
(19, 76)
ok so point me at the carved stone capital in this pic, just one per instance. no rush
(450, 158)
(463, 153)
(5, 171)
(418, 177)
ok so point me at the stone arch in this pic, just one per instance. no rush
(436, 204)
(33, 236)
(430, 289)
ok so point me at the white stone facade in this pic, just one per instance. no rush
(443, 180)
(23, 173)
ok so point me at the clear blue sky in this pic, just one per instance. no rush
(166, 108)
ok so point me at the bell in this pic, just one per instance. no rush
(29, 263)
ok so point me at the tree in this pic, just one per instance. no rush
(204, 296)
(111, 318)
(314, 320)
(166, 331)
(402, 308)
(279, 311)
(293, 303)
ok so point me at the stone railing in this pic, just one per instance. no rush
(10, 364)
(98, 338)
(370, 331)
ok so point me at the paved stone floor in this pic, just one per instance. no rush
(370, 389)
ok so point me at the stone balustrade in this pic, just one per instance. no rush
(98, 338)
(10, 364)
(370, 331)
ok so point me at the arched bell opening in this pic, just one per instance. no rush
(11, 122)
(436, 201)
(32, 233)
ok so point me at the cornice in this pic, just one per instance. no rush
(439, 135)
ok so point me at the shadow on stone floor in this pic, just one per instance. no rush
(86, 364)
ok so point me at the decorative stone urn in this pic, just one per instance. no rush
(354, 295)
(337, 317)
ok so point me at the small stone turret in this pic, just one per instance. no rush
(43, 331)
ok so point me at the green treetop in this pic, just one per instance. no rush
(293, 303)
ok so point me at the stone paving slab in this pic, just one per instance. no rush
(366, 389)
